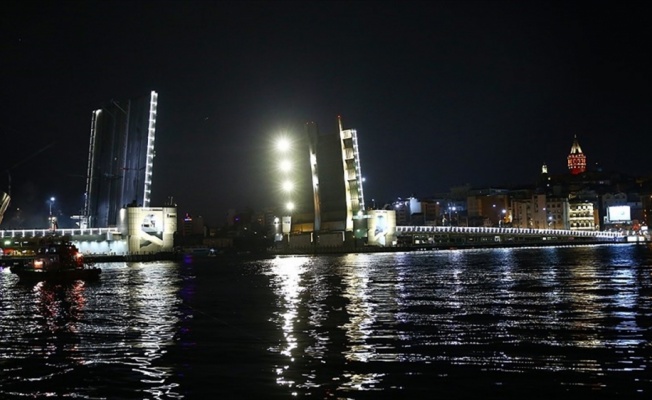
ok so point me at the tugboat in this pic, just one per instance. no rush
(57, 261)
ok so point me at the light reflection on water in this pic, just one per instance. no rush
(56, 335)
(571, 312)
(441, 324)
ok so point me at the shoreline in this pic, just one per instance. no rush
(8, 261)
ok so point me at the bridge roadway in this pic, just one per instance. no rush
(472, 236)
(400, 231)
(479, 230)
(41, 233)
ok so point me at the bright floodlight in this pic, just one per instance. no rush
(288, 186)
(51, 198)
(283, 144)
(289, 206)
(285, 165)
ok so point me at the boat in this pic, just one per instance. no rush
(57, 261)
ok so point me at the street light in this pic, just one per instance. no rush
(51, 218)
(283, 144)
(288, 186)
(285, 166)
(451, 210)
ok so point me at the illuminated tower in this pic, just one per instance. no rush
(313, 140)
(330, 194)
(352, 174)
(336, 178)
(576, 159)
(120, 159)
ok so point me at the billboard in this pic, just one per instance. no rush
(382, 227)
(619, 214)
(149, 229)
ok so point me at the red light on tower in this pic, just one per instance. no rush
(576, 159)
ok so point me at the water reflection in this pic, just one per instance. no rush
(359, 308)
(57, 337)
(510, 312)
(286, 272)
(426, 324)
(60, 305)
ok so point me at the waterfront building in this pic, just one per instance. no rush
(431, 211)
(646, 207)
(582, 216)
(120, 159)
(522, 212)
(622, 211)
(554, 214)
(192, 226)
(541, 211)
(576, 159)
(413, 211)
(402, 210)
(488, 207)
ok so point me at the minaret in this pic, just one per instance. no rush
(576, 159)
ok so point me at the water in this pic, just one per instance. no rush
(494, 323)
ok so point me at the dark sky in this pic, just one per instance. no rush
(441, 93)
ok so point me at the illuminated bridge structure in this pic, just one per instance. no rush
(461, 235)
(21, 242)
(72, 233)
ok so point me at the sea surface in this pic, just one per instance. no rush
(567, 322)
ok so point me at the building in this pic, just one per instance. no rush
(488, 207)
(576, 159)
(582, 216)
(120, 160)
(192, 226)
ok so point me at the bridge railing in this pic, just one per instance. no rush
(506, 231)
(35, 233)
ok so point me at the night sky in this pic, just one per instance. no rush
(441, 93)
